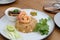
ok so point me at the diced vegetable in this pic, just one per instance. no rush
(33, 13)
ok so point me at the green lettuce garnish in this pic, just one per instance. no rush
(42, 26)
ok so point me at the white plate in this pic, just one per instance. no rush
(27, 36)
(57, 19)
(6, 1)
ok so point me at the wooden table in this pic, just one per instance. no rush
(33, 4)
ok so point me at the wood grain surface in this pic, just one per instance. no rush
(33, 4)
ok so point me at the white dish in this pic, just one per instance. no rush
(6, 1)
(11, 18)
(27, 36)
(57, 19)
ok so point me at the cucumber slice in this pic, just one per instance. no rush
(10, 28)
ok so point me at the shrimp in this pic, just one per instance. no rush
(23, 17)
(22, 13)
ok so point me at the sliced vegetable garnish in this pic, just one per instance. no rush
(10, 29)
(42, 27)
(12, 32)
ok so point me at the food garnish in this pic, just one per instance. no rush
(16, 11)
(42, 27)
(33, 13)
(12, 33)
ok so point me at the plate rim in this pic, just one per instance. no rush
(8, 2)
(55, 20)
